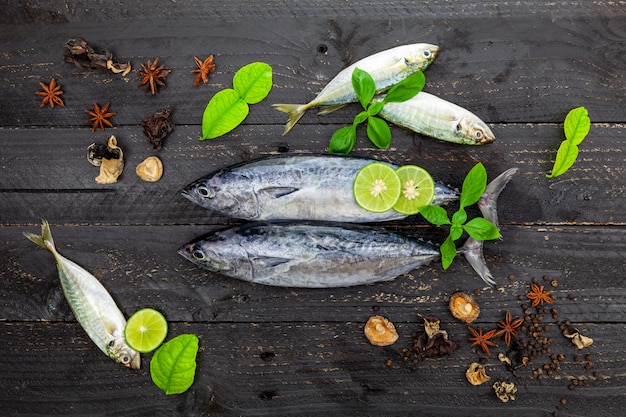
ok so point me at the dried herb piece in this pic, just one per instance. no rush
(538, 295)
(433, 342)
(476, 374)
(110, 168)
(157, 127)
(482, 340)
(204, 68)
(100, 116)
(380, 331)
(578, 339)
(153, 76)
(50, 94)
(83, 56)
(505, 391)
(150, 170)
(509, 327)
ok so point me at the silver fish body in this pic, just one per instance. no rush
(92, 305)
(296, 187)
(308, 255)
(437, 118)
(386, 68)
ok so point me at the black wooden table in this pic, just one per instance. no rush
(520, 66)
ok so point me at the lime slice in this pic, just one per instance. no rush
(145, 330)
(376, 187)
(418, 189)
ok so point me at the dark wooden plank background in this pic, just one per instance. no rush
(521, 66)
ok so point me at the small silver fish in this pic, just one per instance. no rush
(437, 118)
(386, 68)
(91, 304)
(293, 187)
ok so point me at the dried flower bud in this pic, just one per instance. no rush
(464, 307)
(505, 390)
(380, 331)
(476, 374)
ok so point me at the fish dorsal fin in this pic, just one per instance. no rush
(277, 192)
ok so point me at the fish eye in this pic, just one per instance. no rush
(479, 134)
(427, 54)
(199, 255)
(125, 359)
(204, 192)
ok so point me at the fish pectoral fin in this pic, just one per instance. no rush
(278, 192)
(269, 261)
(330, 109)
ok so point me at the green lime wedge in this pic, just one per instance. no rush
(145, 330)
(376, 187)
(417, 189)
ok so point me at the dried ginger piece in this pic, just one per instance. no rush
(111, 168)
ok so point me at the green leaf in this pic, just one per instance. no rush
(474, 185)
(173, 365)
(253, 82)
(565, 158)
(364, 86)
(375, 108)
(448, 252)
(343, 140)
(459, 217)
(378, 131)
(407, 88)
(225, 111)
(481, 229)
(577, 125)
(435, 215)
(360, 118)
(456, 231)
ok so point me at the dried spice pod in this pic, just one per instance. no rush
(505, 391)
(476, 374)
(578, 339)
(380, 331)
(157, 127)
(463, 307)
(110, 168)
(150, 170)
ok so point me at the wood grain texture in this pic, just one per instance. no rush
(520, 66)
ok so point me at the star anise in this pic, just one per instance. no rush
(508, 327)
(153, 75)
(482, 340)
(204, 68)
(50, 94)
(538, 295)
(100, 117)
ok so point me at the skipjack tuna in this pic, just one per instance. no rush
(296, 187)
(326, 255)
(437, 118)
(91, 304)
(386, 68)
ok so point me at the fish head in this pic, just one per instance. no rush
(473, 131)
(420, 55)
(119, 351)
(217, 254)
(226, 192)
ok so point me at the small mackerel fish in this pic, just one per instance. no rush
(91, 304)
(293, 187)
(386, 68)
(437, 118)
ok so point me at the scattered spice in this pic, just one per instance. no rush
(509, 327)
(204, 68)
(505, 391)
(476, 374)
(380, 331)
(157, 127)
(100, 116)
(482, 340)
(150, 170)
(83, 56)
(464, 307)
(111, 161)
(538, 295)
(50, 94)
(153, 76)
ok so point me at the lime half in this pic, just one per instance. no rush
(145, 330)
(376, 187)
(417, 189)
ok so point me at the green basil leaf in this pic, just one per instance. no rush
(379, 133)
(364, 86)
(343, 140)
(448, 252)
(565, 158)
(253, 82)
(407, 88)
(474, 185)
(173, 365)
(577, 125)
(360, 118)
(456, 231)
(225, 111)
(481, 229)
(435, 215)
(375, 108)
(459, 217)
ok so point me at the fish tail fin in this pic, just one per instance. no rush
(488, 204)
(45, 239)
(295, 111)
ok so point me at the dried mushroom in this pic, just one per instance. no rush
(476, 374)
(464, 307)
(380, 331)
(84, 56)
(578, 339)
(150, 170)
(434, 341)
(157, 127)
(109, 158)
(505, 390)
